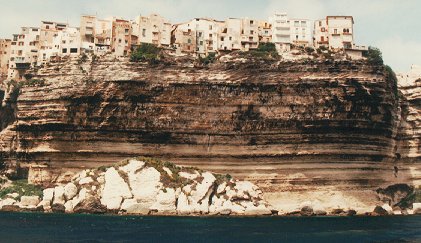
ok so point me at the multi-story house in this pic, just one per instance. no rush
(183, 41)
(337, 33)
(301, 32)
(24, 52)
(96, 34)
(5, 47)
(230, 35)
(265, 32)
(281, 31)
(152, 29)
(121, 41)
(48, 32)
(249, 34)
(206, 34)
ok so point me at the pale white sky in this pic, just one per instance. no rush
(392, 25)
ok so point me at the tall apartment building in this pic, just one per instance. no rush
(265, 32)
(182, 40)
(337, 33)
(24, 52)
(249, 34)
(96, 34)
(301, 32)
(121, 41)
(281, 31)
(205, 34)
(152, 29)
(5, 48)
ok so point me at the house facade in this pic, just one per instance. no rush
(152, 29)
(301, 33)
(5, 48)
(121, 37)
(281, 31)
(24, 52)
(265, 32)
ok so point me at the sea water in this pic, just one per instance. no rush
(38, 227)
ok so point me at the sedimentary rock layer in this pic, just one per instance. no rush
(289, 126)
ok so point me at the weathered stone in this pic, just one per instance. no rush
(58, 195)
(319, 212)
(131, 206)
(379, 211)
(86, 180)
(58, 208)
(68, 207)
(90, 205)
(165, 201)
(306, 211)
(48, 194)
(7, 202)
(351, 212)
(115, 190)
(132, 166)
(145, 185)
(29, 201)
(70, 191)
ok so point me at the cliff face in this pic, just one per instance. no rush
(291, 127)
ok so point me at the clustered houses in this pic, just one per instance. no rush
(200, 37)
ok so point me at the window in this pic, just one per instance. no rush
(64, 42)
(251, 22)
(64, 50)
(296, 23)
(335, 31)
(200, 34)
(189, 41)
(230, 38)
(73, 50)
(126, 31)
(201, 43)
(144, 32)
(320, 23)
(210, 35)
(119, 40)
(222, 38)
(210, 27)
(323, 29)
(47, 27)
(251, 32)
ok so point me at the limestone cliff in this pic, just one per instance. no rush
(299, 129)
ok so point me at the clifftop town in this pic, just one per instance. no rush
(200, 37)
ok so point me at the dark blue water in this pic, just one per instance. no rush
(31, 227)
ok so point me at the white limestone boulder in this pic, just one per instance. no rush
(48, 194)
(145, 185)
(131, 206)
(86, 180)
(115, 189)
(132, 166)
(59, 195)
(70, 191)
(165, 201)
(29, 201)
(68, 207)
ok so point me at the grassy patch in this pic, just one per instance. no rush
(22, 188)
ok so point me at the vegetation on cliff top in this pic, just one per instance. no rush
(146, 53)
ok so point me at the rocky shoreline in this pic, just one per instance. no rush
(144, 186)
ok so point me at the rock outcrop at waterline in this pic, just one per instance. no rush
(298, 129)
(144, 187)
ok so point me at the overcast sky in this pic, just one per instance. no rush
(392, 25)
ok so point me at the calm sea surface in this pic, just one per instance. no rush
(34, 227)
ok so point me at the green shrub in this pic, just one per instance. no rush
(374, 56)
(309, 50)
(146, 52)
(267, 47)
(391, 77)
(22, 188)
(208, 59)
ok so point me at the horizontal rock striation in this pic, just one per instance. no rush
(288, 126)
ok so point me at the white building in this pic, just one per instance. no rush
(152, 29)
(206, 34)
(5, 47)
(281, 31)
(24, 52)
(301, 32)
(335, 32)
(230, 35)
(249, 34)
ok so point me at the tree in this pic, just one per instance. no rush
(374, 56)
